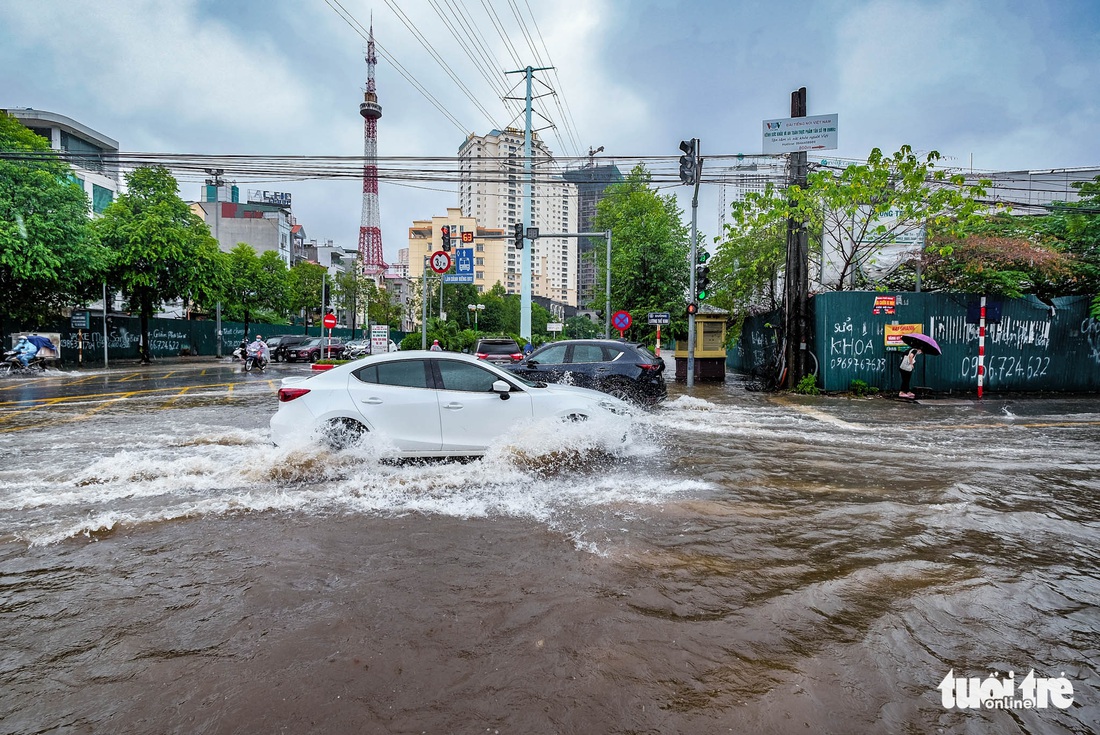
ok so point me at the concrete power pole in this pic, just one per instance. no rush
(797, 286)
(528, 211)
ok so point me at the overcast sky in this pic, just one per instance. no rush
(993, 85)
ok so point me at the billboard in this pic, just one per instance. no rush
(261, 196)
(793, 134)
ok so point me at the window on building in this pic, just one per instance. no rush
(101, 198)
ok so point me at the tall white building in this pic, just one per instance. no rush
(93, 156)
(491, 184)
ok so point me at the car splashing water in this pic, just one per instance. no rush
(185, 470)
(726, 562)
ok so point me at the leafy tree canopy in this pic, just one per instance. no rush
(650, 245)
(161, 248)
(49, 255)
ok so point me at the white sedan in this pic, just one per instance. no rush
(427, 404)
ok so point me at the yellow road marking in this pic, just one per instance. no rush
(23, 383)
(174, 398)
(83, 380)
(85, 396)
(47, 402)
(97, 409)
(131, 376)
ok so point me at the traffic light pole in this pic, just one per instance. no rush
(694, 259)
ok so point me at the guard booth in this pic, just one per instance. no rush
(710, 345)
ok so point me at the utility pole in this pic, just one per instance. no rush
(797, 286)
(528, 212)
(217, 182)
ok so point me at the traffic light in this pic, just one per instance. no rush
(702, 276)
(689, 168)
(446, 232)
(517, 228)
(693, 308)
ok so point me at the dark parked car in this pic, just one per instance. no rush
(280, 344)
(626, 370)
(498, 350)
(312, 350)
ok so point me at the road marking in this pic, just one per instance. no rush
(23, 383)
(97, 409)
(131, 376)
(170, 401)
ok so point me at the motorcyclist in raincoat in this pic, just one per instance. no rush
(25, 350)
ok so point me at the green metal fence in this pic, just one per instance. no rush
(167, 337)
(1029, 345)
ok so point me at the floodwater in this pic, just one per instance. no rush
(744, 564)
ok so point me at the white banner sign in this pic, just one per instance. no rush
(793, 134)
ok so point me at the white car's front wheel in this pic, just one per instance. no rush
(342, 433)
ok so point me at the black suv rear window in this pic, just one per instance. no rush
(497, 348)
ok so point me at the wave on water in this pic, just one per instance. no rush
(541, 470)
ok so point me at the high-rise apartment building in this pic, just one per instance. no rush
(489, 255)
(591, 181)
(491, 187)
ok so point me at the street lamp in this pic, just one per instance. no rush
(475, 308)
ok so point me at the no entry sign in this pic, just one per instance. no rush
(330, 321)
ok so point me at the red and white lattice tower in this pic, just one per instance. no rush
(371, 262)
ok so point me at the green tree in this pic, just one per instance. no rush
(650, 245)
(305, 290)
(580, 327)
(749, 261)
(1075, 227)
(257, 285)
(156, 241)
(49, 255)
(998, 255)
(852, 216)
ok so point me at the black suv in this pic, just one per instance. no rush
(284, 342)
(498, 350)
(626, 370)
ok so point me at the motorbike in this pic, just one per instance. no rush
(254, 360)
(12, 364)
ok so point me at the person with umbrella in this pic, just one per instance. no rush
(920, 343)
(908, 362)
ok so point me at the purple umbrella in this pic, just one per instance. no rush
(922, 342)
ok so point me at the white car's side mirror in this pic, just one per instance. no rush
(502, 388)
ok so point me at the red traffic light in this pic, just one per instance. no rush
(693, 308)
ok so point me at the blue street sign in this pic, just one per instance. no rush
(454, 278)
(464, 263)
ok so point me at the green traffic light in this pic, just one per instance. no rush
(703, 295)
(703, 256)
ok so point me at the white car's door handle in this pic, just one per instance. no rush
(372, 401)
(453, 406)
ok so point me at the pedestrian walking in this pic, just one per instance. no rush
(908, 362)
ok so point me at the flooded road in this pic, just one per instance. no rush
(746, 564)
